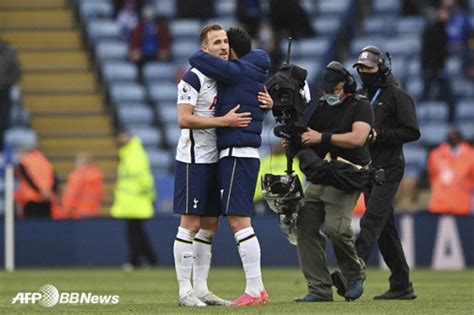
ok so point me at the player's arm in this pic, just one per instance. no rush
(187, 119)
(214, 67)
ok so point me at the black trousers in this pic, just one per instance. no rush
(378, 227)
(35, 210)
(5, 107)
(138, 242)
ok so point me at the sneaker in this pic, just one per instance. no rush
(406, 294)
(308, 298)
(213, 300)
(247, 300)
(339, 282)
(354, 290)
(191, 300)
(264, 296)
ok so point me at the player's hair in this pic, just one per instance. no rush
(209, 28)
(239, 40)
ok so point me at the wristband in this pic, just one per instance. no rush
(326, 138)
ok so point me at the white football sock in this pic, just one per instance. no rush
(183, 259)
(202, 246)
(249, 250)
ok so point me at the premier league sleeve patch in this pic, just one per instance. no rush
(186, 93)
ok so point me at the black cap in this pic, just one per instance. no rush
(368, 59)
(330, 79)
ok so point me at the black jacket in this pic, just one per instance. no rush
(395, 124)
(434, 51)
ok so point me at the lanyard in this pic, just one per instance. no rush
(374, 98)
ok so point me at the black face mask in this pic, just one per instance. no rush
(370, 80)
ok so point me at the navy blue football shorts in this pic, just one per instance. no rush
(196, 189)
(237, 181)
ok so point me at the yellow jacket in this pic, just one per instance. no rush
(135, 189)
(276, 167)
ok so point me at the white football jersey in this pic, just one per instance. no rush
(198, 145)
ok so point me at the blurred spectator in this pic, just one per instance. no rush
(127, 18)
(470, 57)
(134, 195)
(36, 194)
(84, 190)
(359, 208)
(451, 174)
(288, 18)
(119, 4)
(268, 42)
(458, 29)
(434, 53)
(10, 73)
(249, 13)
(149, 39)
(193, 9)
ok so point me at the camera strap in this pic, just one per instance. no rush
(328, 157)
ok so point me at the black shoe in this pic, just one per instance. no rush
(312, 298)
(405, 294)
(339, 282)
(354, 290)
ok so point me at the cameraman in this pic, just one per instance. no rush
(334, 145)
(395, 124)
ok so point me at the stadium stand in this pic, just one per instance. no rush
(400, 35)
(58, 88)
(79, 85)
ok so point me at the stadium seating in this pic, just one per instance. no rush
(127, 92)
(116, 71)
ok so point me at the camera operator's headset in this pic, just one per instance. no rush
(385, 64)
(350, 84)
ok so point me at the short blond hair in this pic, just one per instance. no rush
(207, 29)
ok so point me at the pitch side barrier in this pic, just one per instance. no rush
(438, 242)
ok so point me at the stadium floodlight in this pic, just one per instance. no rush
(9, 210)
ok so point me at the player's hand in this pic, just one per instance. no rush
(265, 100)
(311, 137)
(237, 120)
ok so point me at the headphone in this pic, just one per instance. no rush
(385, 65)
(350, 84)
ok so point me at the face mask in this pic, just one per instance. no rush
(369, 79)
(333, 100)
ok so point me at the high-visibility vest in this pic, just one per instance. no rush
(135, 189)
(41, 173)
(84, 191)
(452, 179)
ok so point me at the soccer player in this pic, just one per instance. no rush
(240, 82)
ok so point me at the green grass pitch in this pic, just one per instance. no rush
(154, 291)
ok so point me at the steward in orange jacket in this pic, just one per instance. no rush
(451, 173)
(36, 192)
(84, 191)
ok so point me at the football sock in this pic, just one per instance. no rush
(249, 250)
(202, 246)
(183, 259)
